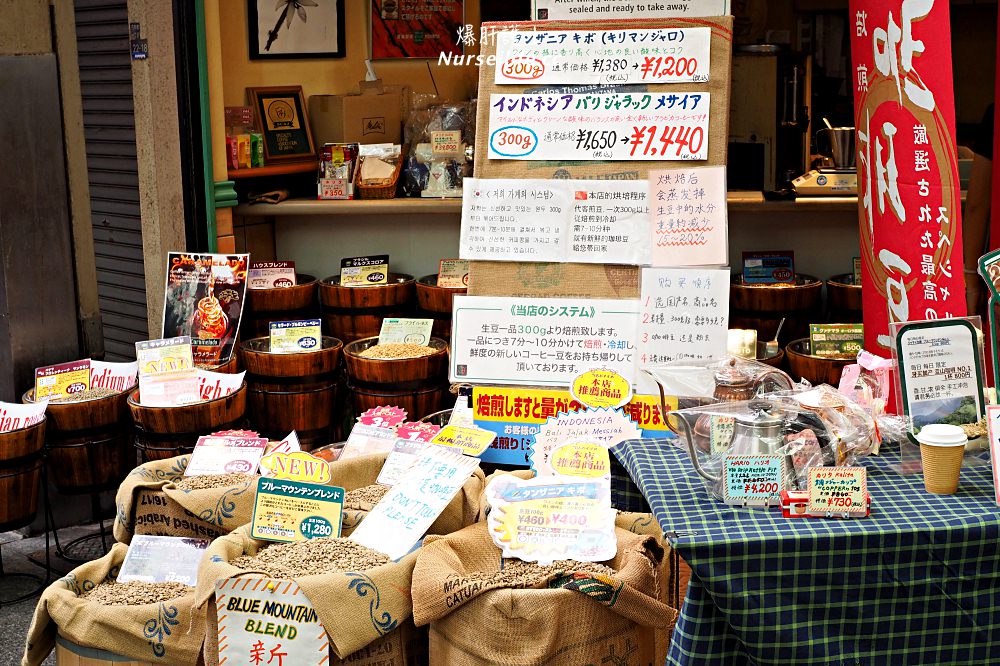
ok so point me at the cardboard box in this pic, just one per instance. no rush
(375, 115)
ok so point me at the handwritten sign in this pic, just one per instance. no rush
(414, 503)
(840, 490)
(605, 127)
(684, 314)
(114, 376)
(271, 275)
(63, 380)
(263, 619)
(364, 271)
(690, 225)
(15, 416)
(288, 511)
(214, 385)
(396, 330)
(470, 441)
(596, 331)
(582, 221)
(601, 387)
(295, 336)
(665, 55)
(753, 480)
(626, 9)
(453, 273)
(225, 455)
(295, 466)
(162, 559)
(552, 518)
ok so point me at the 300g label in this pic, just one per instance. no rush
(513, 141)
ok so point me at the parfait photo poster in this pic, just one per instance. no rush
(204, 299)
(418, 28)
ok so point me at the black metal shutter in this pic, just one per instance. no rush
(109, 127)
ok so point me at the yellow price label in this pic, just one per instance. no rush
(60, 381)
(471, 441)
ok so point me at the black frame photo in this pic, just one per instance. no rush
(298, 28)
(279, 115)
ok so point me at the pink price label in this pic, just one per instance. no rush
(417, 431)
(383, 417)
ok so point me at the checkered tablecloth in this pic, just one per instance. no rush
(917, 582)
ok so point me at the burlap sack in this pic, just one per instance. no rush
(149, 502)
(354, 473)
(646, 524)
(169, 632)
(572, 619)
(357, 609)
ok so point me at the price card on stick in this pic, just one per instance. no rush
(271, 275)
(62, 380)
(396, 330)
(162, 559)
(753, 480)
(167, 375)
(288, 511)
(295, 336)
(689, 219)
(838, 490)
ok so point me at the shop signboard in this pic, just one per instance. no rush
(908, 187)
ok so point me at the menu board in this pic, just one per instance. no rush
(684, 314)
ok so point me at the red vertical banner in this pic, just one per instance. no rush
(908, 190)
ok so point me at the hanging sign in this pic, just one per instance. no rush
(288, 511)
(907, 160)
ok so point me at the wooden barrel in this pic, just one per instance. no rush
(71, 654)
(434, 302)
(352, 313)
(295, 391)
(816, 369)
(20, 473)
(89, 443)
(165, 432)
(843, 299)
(774, 360)
(281, 304)
(418, 385)
(763, 306)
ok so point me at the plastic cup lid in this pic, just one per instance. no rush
(942, 434)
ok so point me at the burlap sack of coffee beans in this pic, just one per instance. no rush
(155, 500)
(568, 618)
(165, 632)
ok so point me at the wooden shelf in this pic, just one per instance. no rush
(273, 170)
(304, 207)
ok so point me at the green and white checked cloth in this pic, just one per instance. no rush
(917, 582)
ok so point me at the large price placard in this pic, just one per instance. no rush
(618, 126)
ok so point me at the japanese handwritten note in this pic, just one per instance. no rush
(690, 225)
(753, 480)
(841, 490)
(662, 55)
(540, 341)
(684, 314)
(615, 126)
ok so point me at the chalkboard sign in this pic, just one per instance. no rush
(279, 117)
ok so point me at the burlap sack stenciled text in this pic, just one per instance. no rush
(149, 502)
(572, 619)
(169, 632)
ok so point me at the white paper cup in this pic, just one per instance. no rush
(942, 448)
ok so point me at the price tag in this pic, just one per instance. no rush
(295, 466)
(601, 387)
(446, 142)
(768, 267)
(470, 441)
(403, 455)
(552, 518)
(62, 380)
(367, 440)
(417, 431)
(754, 480)
(249, 626)
(453, 273)
(288, 511)
(842, 341)
(167, 376)
(295, 336)
(271, 275)
(334, 188)
(405, 331)
(842, 490)
(226, 455)
(857, 271)
(383, 417)
(162, 559)
(364, 271)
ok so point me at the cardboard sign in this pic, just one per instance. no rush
(453, 273)
(604, 126)
(601, 387)
(754, 480)
(114, 376)
(14, 416)
(405, 452)
(768, 267)
(993, 427)
(553, 518)
(543, 10)
(287, 511)
(252, 612)
(398, 521)
(384, 416)
(840, 490)
(405, 331)
(295, 466)
(836, 340)
(417, 431)
(167, 376)
(63, 380)
(162, 559)
(215, 385)
(295, 336)
(689, 211)
(225, 455)
(598, 57)
(470, 441)
(596, 331)
(271, 275)
(364, 271)
(684, 314)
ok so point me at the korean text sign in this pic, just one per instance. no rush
(908, 187)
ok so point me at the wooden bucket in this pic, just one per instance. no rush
(89, 443)
(295, 391)
(843, 299)
(763, 306)
(281, 304)
(434, 302)
(165, 432)
(352, 313)
(71, 654)
(418, 385)
(20, 473)
(816, 369)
